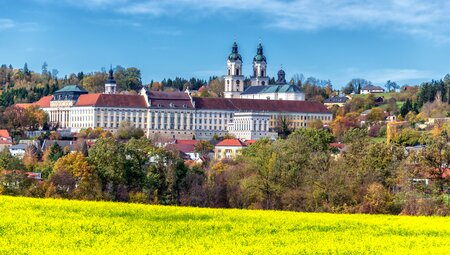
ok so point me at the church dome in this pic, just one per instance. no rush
(110, 79)
(281, 77)
(234, 53)
(259, 55)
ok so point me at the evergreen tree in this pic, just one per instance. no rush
(26, 71)
(55, 152)
(406, 107)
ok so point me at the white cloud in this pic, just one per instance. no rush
(429, 18)
(416, 17)
(6, 24)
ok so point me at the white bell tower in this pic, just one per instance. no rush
(259, 77)
(110, 85)
(234, 80)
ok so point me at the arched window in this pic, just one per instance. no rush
(262, 73)
(229, 72)
(237, 71)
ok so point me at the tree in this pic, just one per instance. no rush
(109, 158)
(406, 107)
(9, 162)
(217, 87)
(26, 71)
(31, 156)
(376, 114)
(317, 124)
(84, 149)
(55, 152)
(138, 153)
(127, 130)
(73, 177)
(44, 69)
(203, 148)
(392, 106)
(166, 176)
(436, 159)
(355, 85)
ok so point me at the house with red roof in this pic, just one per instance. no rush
(5, 139)
(228, 149)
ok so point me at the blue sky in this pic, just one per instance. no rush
(407, 41)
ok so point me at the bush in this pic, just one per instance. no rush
(139, 198)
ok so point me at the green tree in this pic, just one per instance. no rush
(138, 153)
(109, 159)
(436, 158)
(55, 152)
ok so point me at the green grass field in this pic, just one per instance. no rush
(46, 226)
(386, 95)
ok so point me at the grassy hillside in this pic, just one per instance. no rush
(45, 226)
(386, 95)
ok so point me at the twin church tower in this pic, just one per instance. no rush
(234, 80)
(259, 81)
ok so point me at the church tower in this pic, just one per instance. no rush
(110, 85)
(234, 80)
(259, 77)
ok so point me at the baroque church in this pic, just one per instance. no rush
(259, 81)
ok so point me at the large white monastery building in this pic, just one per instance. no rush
(245, 114)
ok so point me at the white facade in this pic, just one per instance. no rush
(276, 96)
(250, 126)
(372, 89)
(183, 123)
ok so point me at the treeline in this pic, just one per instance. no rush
(180, 84)
(300, 173)
(430, 90)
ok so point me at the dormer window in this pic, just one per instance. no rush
(159, 105)
(184, 106)
(171, 105)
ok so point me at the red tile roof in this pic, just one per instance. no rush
(231, 142)
(186, 148)
(107, 100)
(249, 142)
(4, 133)
(169, 99)
(259, 105)
(192, 142)
(44, 102)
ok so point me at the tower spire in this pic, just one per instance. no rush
(111, 72)
(110, 85)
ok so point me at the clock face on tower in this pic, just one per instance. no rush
(238, 82)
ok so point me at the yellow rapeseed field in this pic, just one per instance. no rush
(47, 226)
